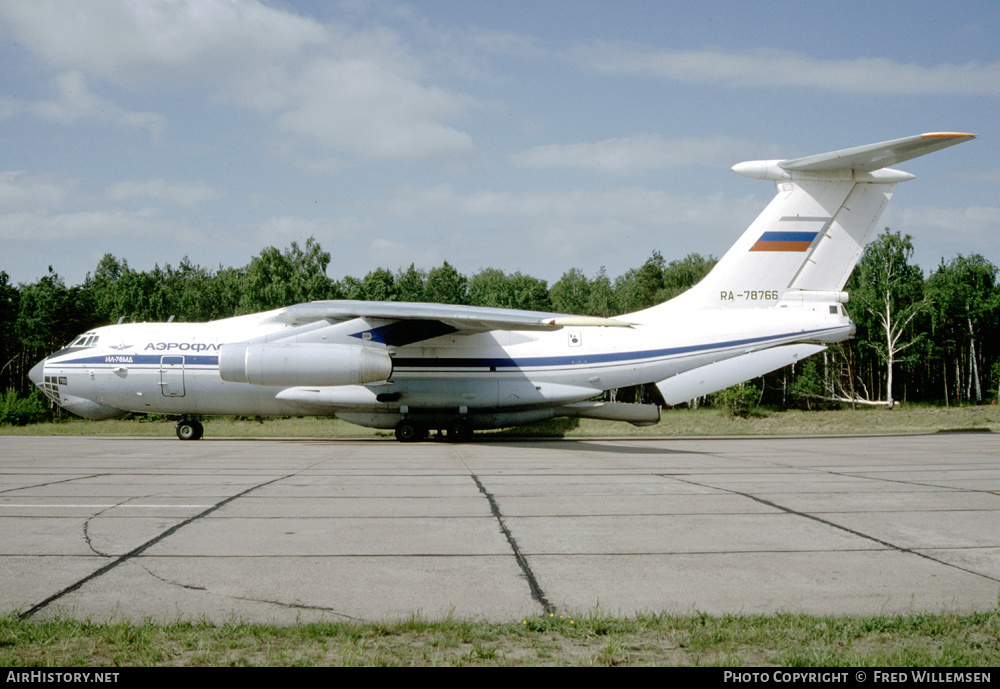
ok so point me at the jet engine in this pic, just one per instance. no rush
(303, 364)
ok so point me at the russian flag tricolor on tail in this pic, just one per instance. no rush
(784, 241)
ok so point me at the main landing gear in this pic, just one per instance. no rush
(409, 431)
(189, 429)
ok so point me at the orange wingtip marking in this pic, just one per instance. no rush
(943, 135)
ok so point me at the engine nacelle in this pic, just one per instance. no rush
(303, 364)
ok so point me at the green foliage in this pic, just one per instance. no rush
(445, 285)
(20, 411)
(683, 274)
(571, 293)
(494, 288)
(410, 284)
(378, 285)
(995, 382)
(808, 385)
(601, 301)
(276, 279)
(10, 306)
(965, 307)
(740, 400)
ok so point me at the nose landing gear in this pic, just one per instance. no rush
(189, 429)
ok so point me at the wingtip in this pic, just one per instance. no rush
(947, 135)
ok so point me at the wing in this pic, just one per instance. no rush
(399, 323)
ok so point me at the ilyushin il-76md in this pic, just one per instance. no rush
(773, 299)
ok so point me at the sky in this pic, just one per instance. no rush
(532, 137)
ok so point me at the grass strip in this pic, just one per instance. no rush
(590, 639)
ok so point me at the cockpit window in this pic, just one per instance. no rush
(85, 340)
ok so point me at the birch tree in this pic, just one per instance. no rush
(888, 291)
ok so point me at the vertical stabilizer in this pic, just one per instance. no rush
(813, 232)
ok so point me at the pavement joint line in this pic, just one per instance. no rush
(826, 522)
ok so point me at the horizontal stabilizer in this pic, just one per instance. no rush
(723, 374)
(877, 156)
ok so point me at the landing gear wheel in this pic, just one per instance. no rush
(458, 431)
(408, 432)
(190, 430)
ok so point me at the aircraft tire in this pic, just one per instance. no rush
(408, 432)
(458, 431)
(190, 430)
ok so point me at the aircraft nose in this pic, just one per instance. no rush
(37, 373)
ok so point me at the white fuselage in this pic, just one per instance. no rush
(173, 368)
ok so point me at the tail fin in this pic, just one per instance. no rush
(813, 232)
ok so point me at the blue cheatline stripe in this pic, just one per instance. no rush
(137, 359)
(400, 363)
(577, 359)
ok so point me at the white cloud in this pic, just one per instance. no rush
(138, 43)
(181, 193)
(394, 255)
(280, 231)
(973, 221)
(76, 102)
(32, 226)
(19, 190)
(779, 68)
(365, 109)
(540, 232)
(638, 154)
(354, 91)
(943, 232)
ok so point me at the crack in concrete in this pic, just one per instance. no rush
(141, 549)
(298, 606)
(522, 561)
(52, 483)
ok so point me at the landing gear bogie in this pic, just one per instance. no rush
(455, 430)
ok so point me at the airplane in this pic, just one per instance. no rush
(776, 297)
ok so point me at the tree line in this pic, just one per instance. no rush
(923, 339)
